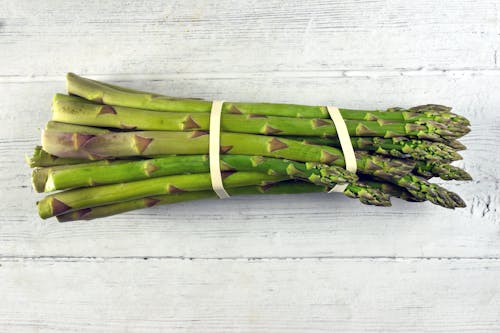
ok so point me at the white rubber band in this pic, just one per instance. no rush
(214, 150)
(345, 143)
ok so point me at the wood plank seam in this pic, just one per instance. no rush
(278, 74)
(227, 258)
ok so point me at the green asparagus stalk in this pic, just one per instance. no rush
(397, 147)
(423, 190)
(77, 199)
(367, 195)
(441, 170)
(436, 111)
(76, 112)
(423, 108)
(106, 172)
(427, 169)
(390, 189)
(41, 158)
(419, 187)
(63, 202)
(154, 143)
(99, 172)
(101, 146)
(286, 187)
(104, 93)
(42, 177)
(432, 157)
(455, 144)
(70, 128)
(146, 202)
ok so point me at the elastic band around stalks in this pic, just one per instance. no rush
(345, 143)
(214, 150)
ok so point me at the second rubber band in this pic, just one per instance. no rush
(345, 143)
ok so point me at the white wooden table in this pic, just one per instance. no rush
(302, 263)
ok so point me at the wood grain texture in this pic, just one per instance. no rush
(305, 263)
(251, 36)
(251, 296)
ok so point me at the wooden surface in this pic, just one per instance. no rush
(303, 263)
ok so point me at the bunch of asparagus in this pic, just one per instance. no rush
(109, 150)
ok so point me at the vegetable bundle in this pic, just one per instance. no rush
(109, 150)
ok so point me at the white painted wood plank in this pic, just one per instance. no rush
(251, 296)
(48, 38)
(286, 226)
(352, 53)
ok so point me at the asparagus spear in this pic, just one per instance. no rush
(101, 146)
(41, 158)
(425, 167)
(77, 177)
(82, 198)
(63, 202)
(419, 187)
(367, 195)
(436, 110)
(286, 187)
(153, 143)
(397, 147)
(146, 202)
(432, 157)
(390, 189)
(42, 177)
(113, 95)
(423, 190)
(70, 128)
(80, 113)
(441, 170)
(106, 172)
(455, 144)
